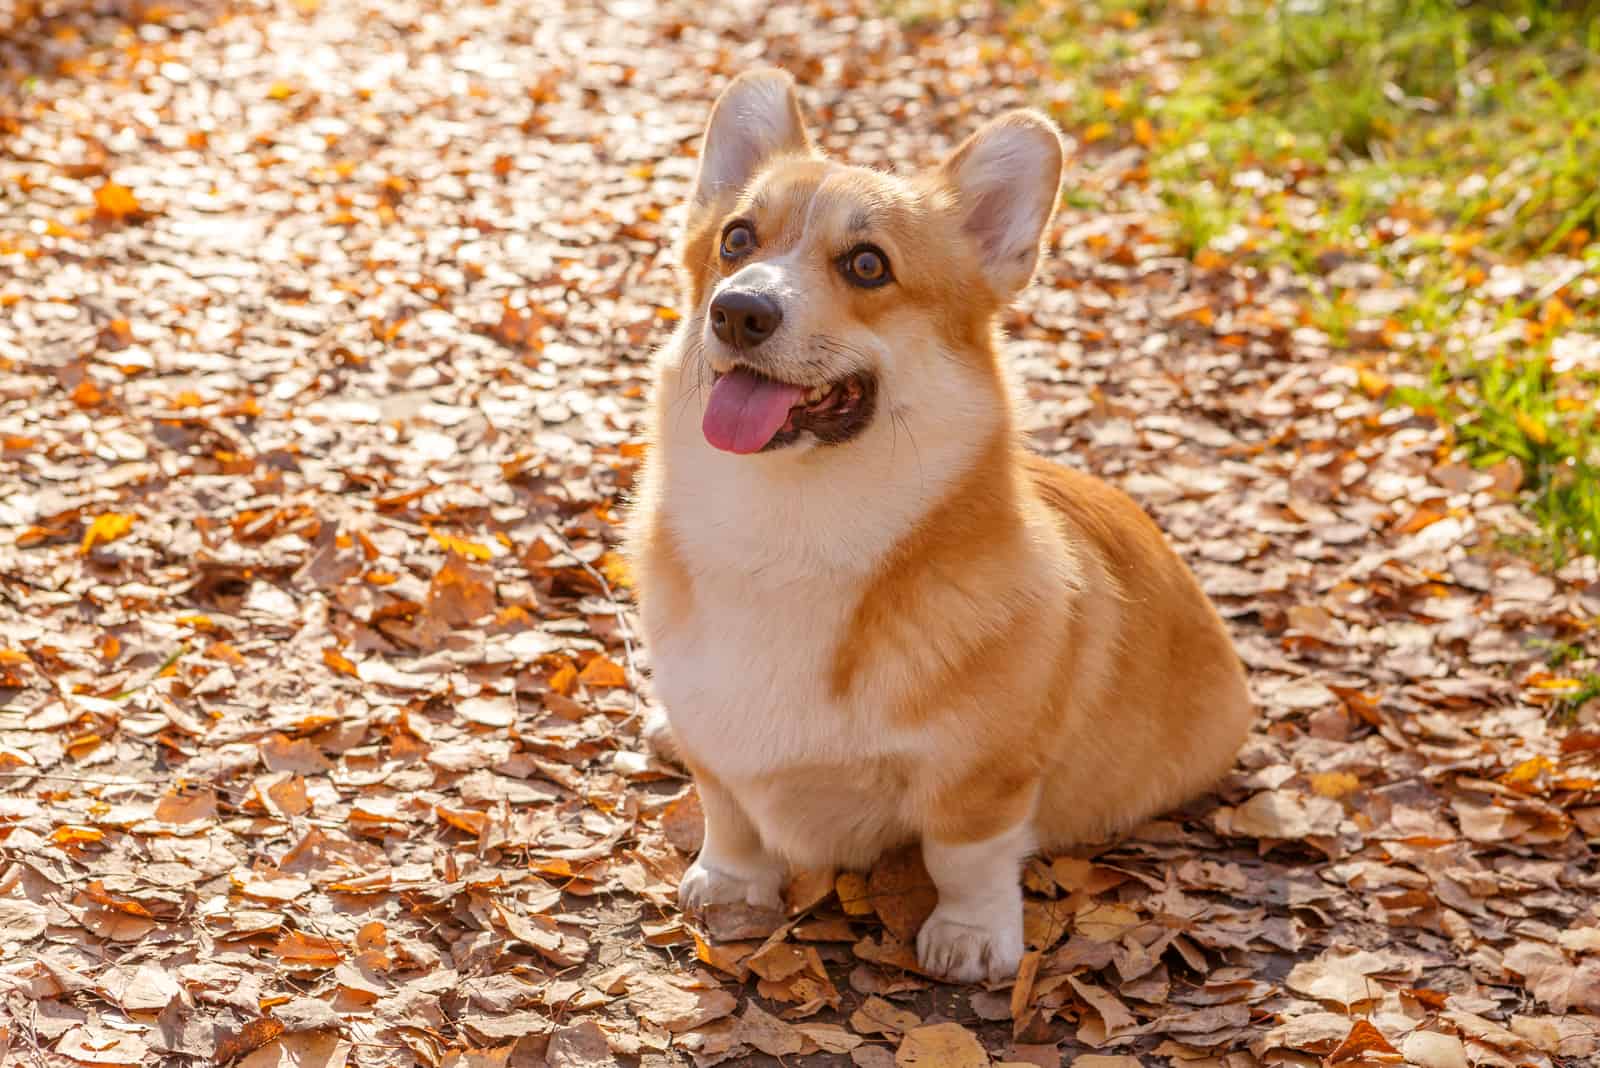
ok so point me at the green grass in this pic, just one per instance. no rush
(1435, 140)
(1519, 410)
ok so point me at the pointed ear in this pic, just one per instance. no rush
(756, 118)
(1007, 179)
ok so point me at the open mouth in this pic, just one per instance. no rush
(749, 412)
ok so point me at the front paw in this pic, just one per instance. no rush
(970, 952)
(656, 731)
(710, 884)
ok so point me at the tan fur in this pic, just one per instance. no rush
(1022, 654)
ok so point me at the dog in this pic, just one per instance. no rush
(873, 618)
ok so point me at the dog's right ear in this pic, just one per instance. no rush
(756, 118)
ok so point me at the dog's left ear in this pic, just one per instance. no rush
(756, 118)
(1007, 179)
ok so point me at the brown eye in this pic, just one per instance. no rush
(866, 265)
(737, 239)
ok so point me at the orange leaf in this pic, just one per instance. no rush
(182, 805)
(71, 835)
(339, 663)
(306, 950)
(88, 395)
(603, 673)
(463, 819)
(564, 679)
(1096, 131)
(1362, 1040)
(1555, 314)
(113, 201)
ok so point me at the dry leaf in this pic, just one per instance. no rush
(946, 1045)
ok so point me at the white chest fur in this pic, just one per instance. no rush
(779, 549)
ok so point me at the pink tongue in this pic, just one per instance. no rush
(745, 411)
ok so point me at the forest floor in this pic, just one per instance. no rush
(324, 341)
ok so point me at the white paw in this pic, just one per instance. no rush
(971, 952)
(658, 736)
(705, 884)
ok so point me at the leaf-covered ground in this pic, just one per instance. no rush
(324, 332)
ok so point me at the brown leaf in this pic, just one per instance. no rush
(461, 592)
(902, 892)
(878, 1017)
(256, 1033)
(946, 1045)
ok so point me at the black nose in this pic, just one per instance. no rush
(743, 318)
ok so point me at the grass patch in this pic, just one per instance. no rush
(1447, 144)
(1504, 409)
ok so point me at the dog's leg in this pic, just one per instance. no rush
(974, 845)
(658, 737)
(733, 865)
(975, 933)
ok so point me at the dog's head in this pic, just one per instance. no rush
(823, 296)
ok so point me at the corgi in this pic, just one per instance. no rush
(873, 618)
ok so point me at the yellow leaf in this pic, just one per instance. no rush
(1113, 99)
(280, 91)
(1528, 770)
(1143, 132)
(1535, 430)
(1373, 384)
(616, 570)
(461, 546)
(105, 528)
(1097, 131)
(1334, 784)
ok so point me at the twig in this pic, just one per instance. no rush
(78, 778)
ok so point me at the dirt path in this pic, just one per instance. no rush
(324, 331)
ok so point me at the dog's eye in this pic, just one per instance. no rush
(737, 239)
(866, 265)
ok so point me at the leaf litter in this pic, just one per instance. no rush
(325, 355)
